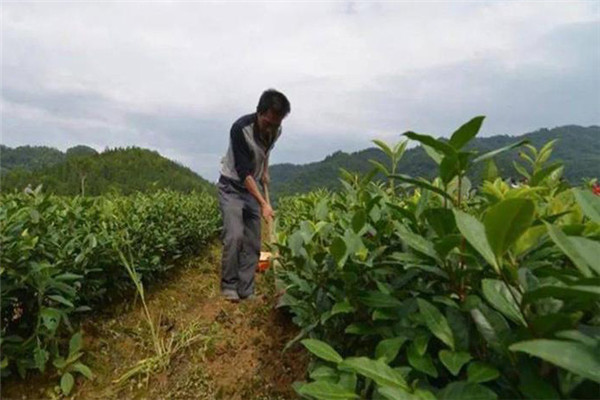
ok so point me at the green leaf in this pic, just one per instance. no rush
(423, 203)
(466, 132)
(323, 372)
(378, 299)
(589, 203)
(326, 391)
(40, 357)
(50, 318)
(479, 372)
(362, 329)
(359, 220)
(76, 343)
(348, 381)
(322, 350)
(521, 170)
(492, 326)
(436, 322)
(490, 171)
(343, 307)
(295, 242)
(61, 300)
(378, 371)
(417, 242)
(588, 250)
(542, 174)
(432, 153)
(528, 240)
(447, 244)
(422, 184)
(466, 391)
(421, 341)
(388, 348)
(577, 336)
(438, 145)
(392, 393)
(460, 328)
(339, 251)
(66, 383)
(59, 362)
(421, 362)
(577, 292)
(572, 356)
(474, 232)
(546, 150)
(449, 168)
(502, 298)
(35, 216)
(501, 150)
(384, 147)
(424, 394)
(321, 210)
(506, 221)
(82, 369)
(566, 245)
(354, 243)
(454, 361)
(380, 167)
(399, 149)
(441, 220)
(307, 230)
(68, 276)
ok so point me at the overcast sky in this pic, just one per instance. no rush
(174, 76)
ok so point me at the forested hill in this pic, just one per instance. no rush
(577, 147)
(37, 157)
(29, 157)
(120, 170)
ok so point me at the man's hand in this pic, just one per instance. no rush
(267, 212)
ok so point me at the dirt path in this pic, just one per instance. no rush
(234, 350)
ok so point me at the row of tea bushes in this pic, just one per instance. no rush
(61, 257)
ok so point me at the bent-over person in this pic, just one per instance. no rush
(245, 164)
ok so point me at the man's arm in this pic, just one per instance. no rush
(252, 187)
(243, 166)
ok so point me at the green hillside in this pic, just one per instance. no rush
(119, 170)
(29, 157)
(578, 147)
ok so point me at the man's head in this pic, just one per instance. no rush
(272, 108)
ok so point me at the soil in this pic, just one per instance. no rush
(227, 350)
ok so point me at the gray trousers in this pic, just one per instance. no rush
(241, 239)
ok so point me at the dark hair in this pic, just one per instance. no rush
(275, 101)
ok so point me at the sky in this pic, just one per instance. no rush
(174, 76)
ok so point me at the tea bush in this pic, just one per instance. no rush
(424, 290)
(60, 258)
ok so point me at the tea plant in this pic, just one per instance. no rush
(447, 292)
(62, 256)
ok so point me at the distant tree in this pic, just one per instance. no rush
(81, 151)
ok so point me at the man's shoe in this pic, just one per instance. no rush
(230, 295)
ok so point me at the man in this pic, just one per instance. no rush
(247, 162)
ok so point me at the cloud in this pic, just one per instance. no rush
(174, 76)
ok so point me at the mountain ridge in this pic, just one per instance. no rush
(83, 170)
(578, 147)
